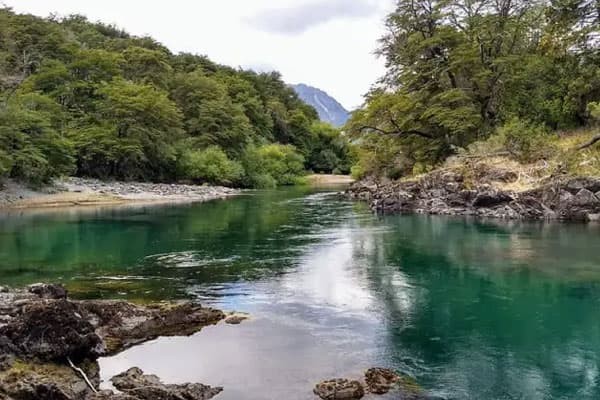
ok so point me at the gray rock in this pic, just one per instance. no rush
(235, 319)
(593, 217)
(576, 184)
(491, 199)
(339, 389)
(584, 198)
(53, 331)
(381, 380)
(134, 383)
(46, 291)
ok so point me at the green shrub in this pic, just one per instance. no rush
(523, 141)
(5, 164)
(593, 110)
(357, 172)
(527, 142)
(210, 165)
(30, 165)
(272, 165)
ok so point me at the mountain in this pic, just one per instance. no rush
(329, 109)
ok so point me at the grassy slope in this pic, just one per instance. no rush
(564, 160)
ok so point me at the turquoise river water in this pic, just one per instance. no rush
(471, 309)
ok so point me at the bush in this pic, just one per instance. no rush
(210, 165)
(272, 165)
(593, 110)
(357, 172)
(527, 142)
(5, 164)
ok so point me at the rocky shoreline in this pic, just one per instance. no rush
(480, 193)
(49, 345)
(74, 191)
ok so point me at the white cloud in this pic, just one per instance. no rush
(332, 51)
(301, 17)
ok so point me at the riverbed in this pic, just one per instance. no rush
(472, 309)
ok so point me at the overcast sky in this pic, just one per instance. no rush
(324, 43)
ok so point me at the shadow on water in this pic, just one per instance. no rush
(472, 309)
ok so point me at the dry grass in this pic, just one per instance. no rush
(567, 160)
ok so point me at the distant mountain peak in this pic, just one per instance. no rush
(329, 109)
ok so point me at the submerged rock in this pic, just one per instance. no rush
(383, 380)
(380, 380)
(339, 389)
(235, 319)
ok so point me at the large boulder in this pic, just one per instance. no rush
(579, 206)
(52, 331)
(576, 184)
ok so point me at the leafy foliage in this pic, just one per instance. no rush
(210, 165)
(272, 165)
(458, 70)
(90, 99)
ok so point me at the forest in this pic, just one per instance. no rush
(89, 99)
(482, 77)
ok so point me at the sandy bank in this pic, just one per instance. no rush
(324, 180)
(71, 192)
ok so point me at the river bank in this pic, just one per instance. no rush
(68, 192)
(329, 180)
(484, 190)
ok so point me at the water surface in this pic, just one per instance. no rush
(471, 309)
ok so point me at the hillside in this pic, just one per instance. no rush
(89, 99)
(328, 108)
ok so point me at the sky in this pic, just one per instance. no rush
(328, 44)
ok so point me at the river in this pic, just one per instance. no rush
(471, 309)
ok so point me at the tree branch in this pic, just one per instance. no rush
(83, 375)
(590, 143)
(397, 132)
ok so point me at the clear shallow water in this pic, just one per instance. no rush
(473, 310)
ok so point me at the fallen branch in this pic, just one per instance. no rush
(83, 375)
(590, 143)
(497, 154)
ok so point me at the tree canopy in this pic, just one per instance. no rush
(457, 70)
(85, 98)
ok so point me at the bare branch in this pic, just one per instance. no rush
(83, 375)
(397, 132)
(589, 143)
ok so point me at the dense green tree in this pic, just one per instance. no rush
(459, 69)
(31, 145)
(91, 99)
